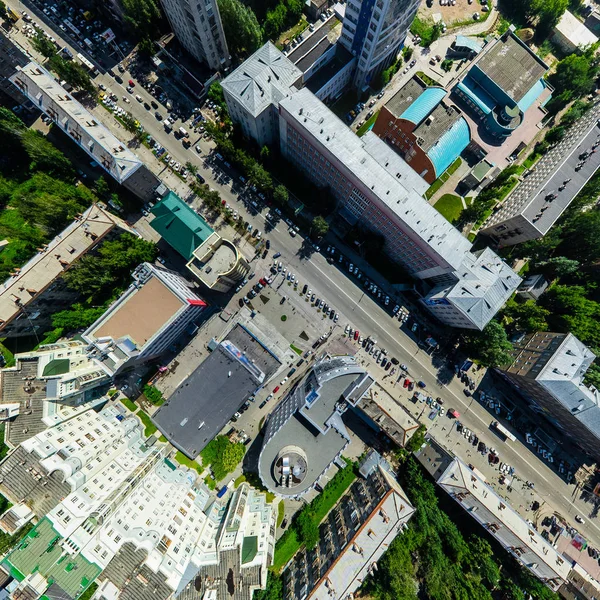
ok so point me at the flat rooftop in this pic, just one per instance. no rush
(48, 265)
(325, 74)
(297, 56)
(381, 171)
(205, 401)
(141, 314)
(50, 97)
(512, 66)
(405, 96)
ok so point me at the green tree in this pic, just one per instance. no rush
(581, 237)
(260, 177)
(45, 156)
(242, 30)
(560, 266)
(73, 73)
(142, 16)
(101, 188)
(215, 93)
(548, 13)
(273, 589)
(193, 169)
(232, 456)
(76, 317)
(575, 74)
(483, 562)
(527, 316)
(447, 65)
(307, 528)
(490, 347)
(319, 226)
(43, 45)
(275, 22)
(281, 195)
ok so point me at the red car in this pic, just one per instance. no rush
(132, 83)
(406, 382)
(263, 281)
(276, 390)
(356, 334)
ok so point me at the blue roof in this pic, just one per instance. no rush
(449, 146)
(532, 95)
(423, 105)
(477, 95)
(465, 42)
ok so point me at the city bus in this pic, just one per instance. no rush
(86, 63)
(504, 433)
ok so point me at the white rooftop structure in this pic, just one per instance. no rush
(485, 283)
(504, 523)
(394, 183)
(50, 97)
(263, 79)
(572, 34)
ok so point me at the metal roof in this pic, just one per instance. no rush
(465, 42)
(423, 105)
(477, 95)
(179, 225)
(449, 146)
(532, 95)
(262, 79)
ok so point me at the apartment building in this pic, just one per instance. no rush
(353, 537)
(548, 370)
(111, 154)
(115, 503)
(49, 386)
(374, 31)
(253, 92)
(198, 27)
(11, 57)
(305, 433)
(495, 515)
(145, 321)
(35, 291)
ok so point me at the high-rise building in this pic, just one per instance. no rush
(548, 371)
(374, 31)
(147, 318)
(198, 27)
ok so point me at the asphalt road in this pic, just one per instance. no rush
(340, 291)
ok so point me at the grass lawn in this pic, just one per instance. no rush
(280, 513)
(450, 206)
(8, 355)
(289, 543)
(132, 406)
(296, 349)
(182, 459)
(149, 425)
(439, 182)
(428, 80)
(292, 32)
(531, 160)
(367, 125)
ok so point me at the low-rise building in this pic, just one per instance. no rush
(498, 518)
(48, 386)
(305, 433)
(505, 79)
(207, 399)
(425, 129)
(145, 321)
(571, 34)
(213, 260)
(464, 47)
(35, 291)
(353, 536)
(537, 201)
(115, 503)
(548, 371)
(533, 287)
(113, 155)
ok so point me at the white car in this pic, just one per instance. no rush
(347, 329)
(579, 519)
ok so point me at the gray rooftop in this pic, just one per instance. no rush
(405, 96)
(323, 75)
(381, 171)
(529, 196)
(485, 283)
(512, 66)
(205, 401)
(262, 79)
(297, 56)
(440, 120)
(309, 421)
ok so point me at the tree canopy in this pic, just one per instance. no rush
(490, 347)
(319, 226)
(242, 30)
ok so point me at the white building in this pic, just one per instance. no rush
(253, 92)
(70, 116)
(148, 318)
(571, 34)
(499, 519)
(198, 27)
(484, 283)
(127, 495)
(374, 32)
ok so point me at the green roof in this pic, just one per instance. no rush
(179, 225)
(58, 366)
(40, 551)
(249, 549)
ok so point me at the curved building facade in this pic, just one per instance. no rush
(305, 433)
